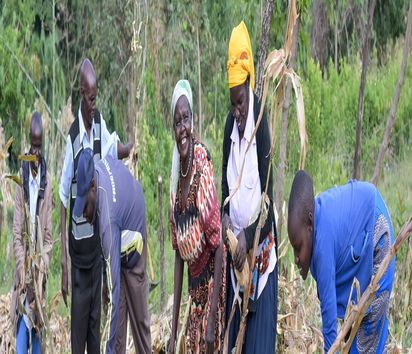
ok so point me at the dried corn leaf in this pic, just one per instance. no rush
(292, 17)
(14, 178)
(8, 144)
(181, 342)
(284, 247)
(28, 158)
(275, 63)
(300, 110)
(279, 99)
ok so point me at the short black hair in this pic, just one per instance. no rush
(36, 121)
(301, 195)
(86, 68)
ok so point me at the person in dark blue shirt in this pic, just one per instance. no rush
(343, 234)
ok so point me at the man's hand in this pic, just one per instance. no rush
(241, 251)
(63, 236)
(129, 147)
(123, 151)
(65, 279)
(210, 335)
(226, 224)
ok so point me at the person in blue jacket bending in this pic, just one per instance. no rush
(343, 234)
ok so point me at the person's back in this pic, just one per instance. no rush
(124, 194)
(121, 219)
(343, 242)
(343, 234)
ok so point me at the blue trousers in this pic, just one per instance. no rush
(23, 340)
(260, 336)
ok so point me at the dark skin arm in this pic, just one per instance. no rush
(123, 151)
(65, 280)
(178, 277)
(226, 224)
(241, 251)
(210, 329)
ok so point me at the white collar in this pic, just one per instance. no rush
(33, 180)
(250, 122)
(82, 128)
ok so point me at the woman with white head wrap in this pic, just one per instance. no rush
(195, 225)
(182, 88)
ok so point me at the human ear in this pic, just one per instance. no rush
(310, 218)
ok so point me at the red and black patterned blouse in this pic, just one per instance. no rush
(196, 225)
(196, 234)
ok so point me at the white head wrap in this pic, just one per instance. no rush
(182, 88)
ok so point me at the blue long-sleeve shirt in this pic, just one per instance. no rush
(342, 249)
(121, 208)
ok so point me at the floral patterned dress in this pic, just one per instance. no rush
(196, 234)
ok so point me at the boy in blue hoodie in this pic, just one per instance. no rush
(343, 233)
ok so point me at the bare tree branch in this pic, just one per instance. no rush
(264, 44)
(280, 178)
(361, 100)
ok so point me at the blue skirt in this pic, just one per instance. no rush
(260, 335)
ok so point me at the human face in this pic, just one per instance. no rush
(89, 93)
(300, 230)
(36, 138)
(90, 207)
(239, 99)
(182, 124)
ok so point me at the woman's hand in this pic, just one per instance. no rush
(241, 251)
(226, 224)
(210, 335)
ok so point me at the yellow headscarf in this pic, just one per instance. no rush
(240, 57)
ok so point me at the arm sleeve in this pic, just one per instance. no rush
(109, 141)
(263, 148)
(67, 174)
(208, 204)
(110, 238)
(18, 222)
(324, 269)
(226, 152)
(48, 239)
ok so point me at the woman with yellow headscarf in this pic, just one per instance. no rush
(242, 213)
